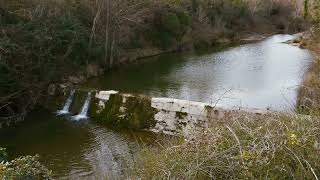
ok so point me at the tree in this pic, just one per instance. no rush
(306, 8)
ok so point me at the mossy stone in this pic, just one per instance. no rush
(136, 113)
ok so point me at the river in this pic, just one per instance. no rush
(262, 75)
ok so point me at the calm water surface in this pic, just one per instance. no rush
(261, 75)
(73, 149)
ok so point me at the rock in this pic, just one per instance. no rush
(56, 89)
(105, 95)
(52, 89)
(76, 80)
(295, 44)
(253, 38)
(62, 86)
(223, 41)
(93, 70)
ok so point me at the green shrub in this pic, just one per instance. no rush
(170, 29)
(3, 155)
(39, 50)
(184, 18)
(26, 168)
(171, 23)
(135, 41)
(164, 39)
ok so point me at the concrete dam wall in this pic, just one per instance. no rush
(161, 115)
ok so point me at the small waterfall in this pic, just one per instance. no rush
(84, 109)
(67, 104)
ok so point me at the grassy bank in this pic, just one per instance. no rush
(309, 92)
(45, 42)
(308, 101)
(241, 147)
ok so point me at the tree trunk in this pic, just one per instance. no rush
(106, 58)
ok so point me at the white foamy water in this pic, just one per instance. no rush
(84, 109)
(67, 104)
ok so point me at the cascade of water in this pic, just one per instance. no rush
(84, 110)
(67, 104)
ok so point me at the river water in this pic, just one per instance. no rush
(75, 149)
(263, 75)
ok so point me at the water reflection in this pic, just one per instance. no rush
(255, 75)
(75, 149)
(261, 75)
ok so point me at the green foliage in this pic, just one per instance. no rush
(45, 42)
(306, 8)
(315, 14)
(171, 23)
(39, 50)
(3, 155)
(168, 28)
(162, 39)
(135, 41)
(27, 168)
(184, 19)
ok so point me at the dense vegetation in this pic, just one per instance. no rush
(309, 92)
(27, 167)
(45, 42)
(251, 147)
(240, 147)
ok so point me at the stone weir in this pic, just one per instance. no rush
(162, 115)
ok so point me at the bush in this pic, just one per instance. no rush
(184, 18)
(171, 23)
(26, 168)
(3, 155)
(241, 147)
(38, 50)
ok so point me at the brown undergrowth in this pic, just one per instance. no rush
(241, 146)
(309, 92)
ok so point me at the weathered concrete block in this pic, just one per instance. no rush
(105, 95)
(177, 105)
(163, 115)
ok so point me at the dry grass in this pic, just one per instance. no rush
(309, 92)
(241, 147)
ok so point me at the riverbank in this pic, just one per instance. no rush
(309, 92)
(244, 146)
(26, 167)
(45, 44)
(89, 145)
(240, 146)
